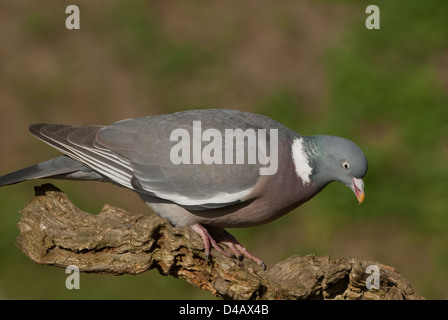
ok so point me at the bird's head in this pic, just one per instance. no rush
(338, 159)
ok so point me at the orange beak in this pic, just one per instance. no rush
(358, 188)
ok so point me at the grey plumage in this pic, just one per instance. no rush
(135, 153)
(62, 167)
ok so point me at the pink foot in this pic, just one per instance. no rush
(238, 251)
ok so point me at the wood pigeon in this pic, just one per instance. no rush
(207, 169)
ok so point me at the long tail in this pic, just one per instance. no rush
(62, 167)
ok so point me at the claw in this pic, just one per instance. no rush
(238, 251)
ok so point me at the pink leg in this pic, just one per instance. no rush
(234, 245)
(237, 249)
(207, 239)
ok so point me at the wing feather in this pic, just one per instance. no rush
(135, 153)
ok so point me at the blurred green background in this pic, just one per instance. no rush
(311, 65)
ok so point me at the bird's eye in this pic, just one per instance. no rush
(346, 165)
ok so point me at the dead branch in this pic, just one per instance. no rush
(53, 231)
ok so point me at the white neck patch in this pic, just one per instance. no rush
(301, 161)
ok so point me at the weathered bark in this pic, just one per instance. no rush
(55, 232)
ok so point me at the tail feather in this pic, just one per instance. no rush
(62, 167)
